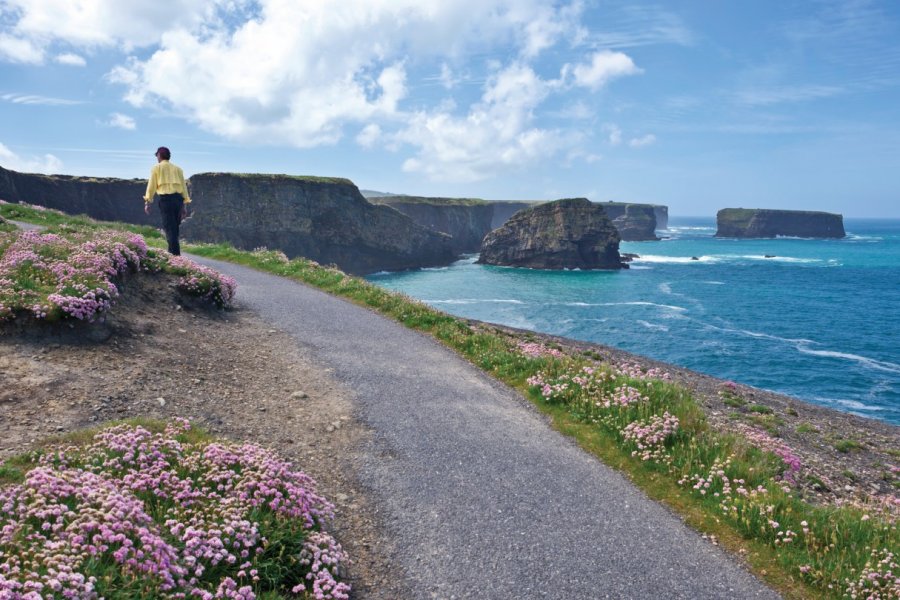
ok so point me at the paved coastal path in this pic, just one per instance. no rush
(483, 498)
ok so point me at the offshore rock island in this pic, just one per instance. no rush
(571, 233)
(770, 223)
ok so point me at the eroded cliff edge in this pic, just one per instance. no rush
(572, 233)
(466, 220)
(324, 219)
(770, 223)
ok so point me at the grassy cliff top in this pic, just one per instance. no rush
(300, 178)
(746, 213)
(611, 203)
(428, 200)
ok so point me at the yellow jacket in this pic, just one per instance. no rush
(166, 178)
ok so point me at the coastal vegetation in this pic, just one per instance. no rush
(738, 487)
(161, 510)
(76, 271)
(741, 487)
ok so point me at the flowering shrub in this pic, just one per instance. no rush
(137, 514)
(203, 282)
(75, 274)
(536, 350)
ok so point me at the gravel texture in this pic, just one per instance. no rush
(481, 498)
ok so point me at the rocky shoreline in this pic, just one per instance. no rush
(846, 458)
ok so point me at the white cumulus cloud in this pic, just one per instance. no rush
(73, 60)
(121, 121)
(497, 133)
(32, 164)
(640, 142)
(604, 67)
(19, 50)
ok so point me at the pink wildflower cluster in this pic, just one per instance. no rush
(201, 281)
(635, 371)
(140, 514)
(50, 275)
(650, 436)
(879, 579)
(74, 275)
(765, 442)
(537, 350)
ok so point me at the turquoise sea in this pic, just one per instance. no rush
(819, 321)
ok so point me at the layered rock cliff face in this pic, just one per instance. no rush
(635, 222)
(466, 220)
(103, 198)
(566, 234)
(504, 209)
(662, 216)
(769, 223)
(324, 219)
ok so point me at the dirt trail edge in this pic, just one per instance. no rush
(482, 498)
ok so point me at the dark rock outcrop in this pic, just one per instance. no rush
(466, 220)
(635, 222)
(769, 223)
(566, 234)
(104, 198)
(324, 219)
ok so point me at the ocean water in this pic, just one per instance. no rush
(820, 321)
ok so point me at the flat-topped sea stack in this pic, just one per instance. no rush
(465, 220)
(572, 233)
(320, 218)
(770, 223)
(635, 222)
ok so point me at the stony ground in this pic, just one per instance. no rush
(845, 457)
(160, 357)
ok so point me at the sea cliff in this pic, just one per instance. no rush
(635, 222)
(466, 220)
(769, 223)
(104, 198)
(324, 219)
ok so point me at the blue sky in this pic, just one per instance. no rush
(699, 105)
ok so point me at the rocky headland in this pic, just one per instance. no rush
(504, 209)
(635, 222)
(465, 220)
(770, 223)
(571, 233)
(324, 219)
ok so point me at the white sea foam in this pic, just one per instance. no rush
(653, 258)
(652, 326)
(641, 268)
(853, 404)
(475, 301)
(713, 282)
(865, 361)
(787, 259)
(635, 303)
(435, 268)
(665, 288)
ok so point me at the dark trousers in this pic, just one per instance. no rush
(170, 206)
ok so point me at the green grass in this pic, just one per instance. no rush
(847, 446)
(390, 200)
(807, 428)
(836, 549)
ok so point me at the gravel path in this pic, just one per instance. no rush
(483, 498)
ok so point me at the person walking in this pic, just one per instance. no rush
(167, 181)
